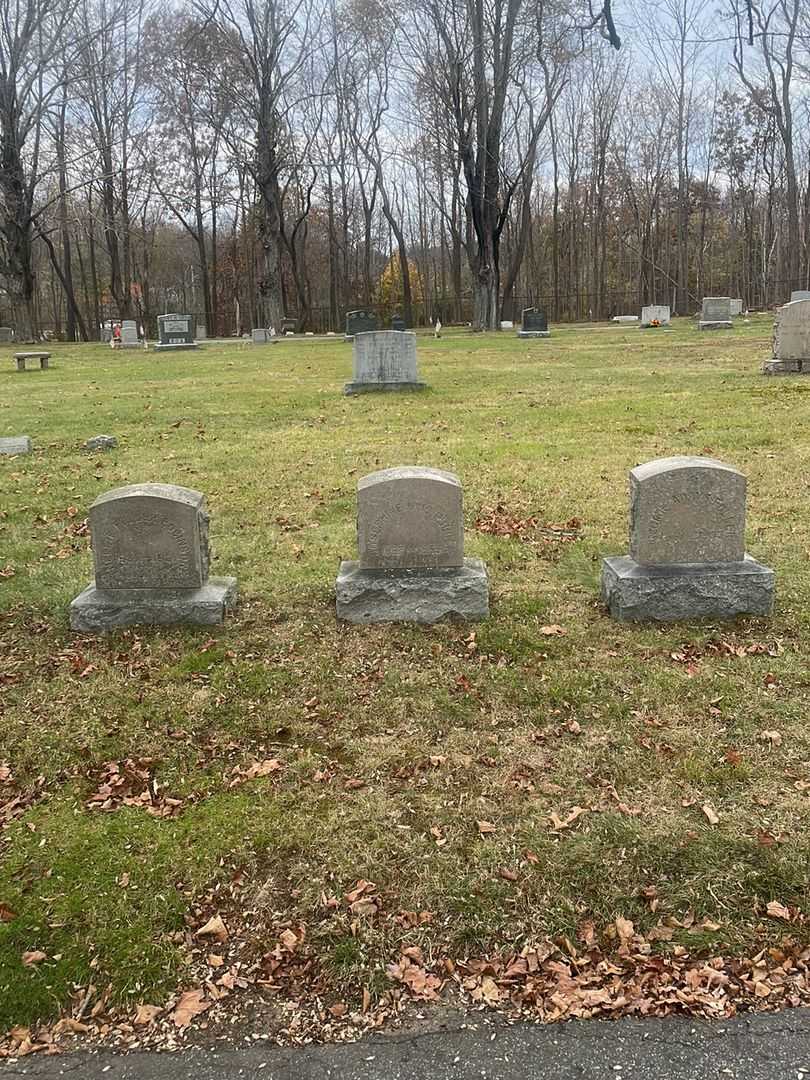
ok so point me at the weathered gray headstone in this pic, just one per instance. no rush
(202, 332)
(6, 333)
(716, 313)
(262, 336)
(16, 444)
(174, 333)
(410, 532)
(360, 322)
(384, 360)
(533, 324)
(129, 334)
(655, 313)
(625, 318)
(736, 307)
(800, 294)
(101, 442)
(687, 547)
(150, 553)
(791, 340)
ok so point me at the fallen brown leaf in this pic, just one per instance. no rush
(191, 1004)
(215, 928)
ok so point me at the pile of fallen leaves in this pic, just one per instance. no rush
(241, 970)
(549, 536)
(132, 783)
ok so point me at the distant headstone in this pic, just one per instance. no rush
(687, 547)
(202, 332)
(655, 314)
(398, 323)
(791, 340)
(533, 324)
(360, 322)
(150, 552)
(6, 333)
(15, 444)
(507, 324)
(625, 318)
(129, 334)
(800, 294)
(174, 333)
(384, 360)
(101, 442)
(736, 307)
(716, 313)
(410, 535)
(261, 336)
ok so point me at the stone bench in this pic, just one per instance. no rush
(21, 357)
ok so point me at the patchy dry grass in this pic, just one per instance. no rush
(597, 759)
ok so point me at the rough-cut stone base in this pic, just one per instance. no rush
(786, 367)
(374, 387)
(176, 348)
(685, 591)
(723, 324)
(97, 610)
(533, 333)
(421, 596)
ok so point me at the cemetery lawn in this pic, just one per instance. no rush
(338, 794)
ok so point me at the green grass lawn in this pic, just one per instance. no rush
(395, 742)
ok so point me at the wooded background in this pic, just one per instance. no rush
(246, 160)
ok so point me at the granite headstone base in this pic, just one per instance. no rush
(533, 333)
(96, 610)
(421, 596)
(685, 591)
(716, 324)
(786, 367)
(374, 387)
(179, 347)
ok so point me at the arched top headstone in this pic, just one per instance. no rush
(150, 536)
(687, 510)
(410, 518)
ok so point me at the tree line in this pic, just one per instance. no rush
(255, 160)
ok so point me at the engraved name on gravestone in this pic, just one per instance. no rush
(410, 517)
(150, 536)
(686, 510)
